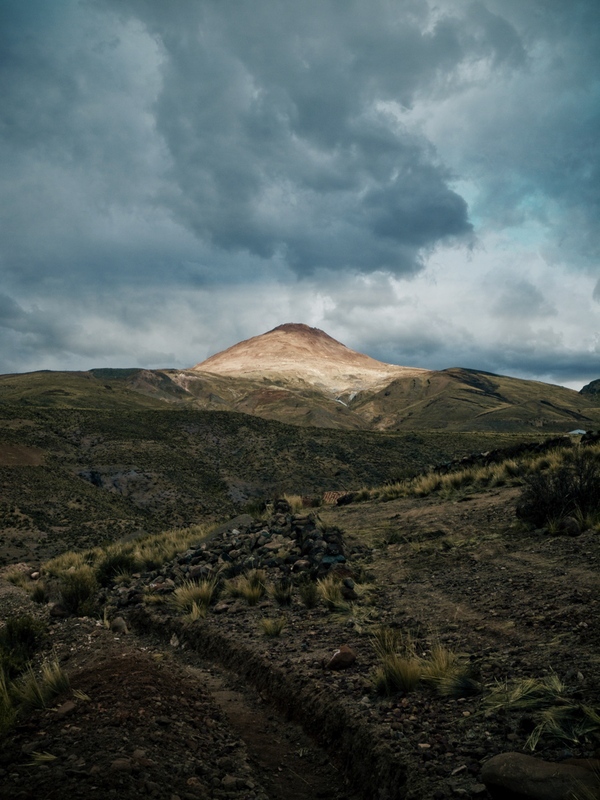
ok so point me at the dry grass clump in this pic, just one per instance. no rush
(396, 673)
(512, 471)
(401, 668)
(117, 563)
(63, 563)
(309, 593)
(18, 578)
(451, 676)
(251, 586)
(8, 712)
(78, 589)
(272, 626)
(387, 640)
(149, 552)
(39, 593)
(281, 592)
(194, 598)
(295, 501)
(329, 590)
(556, 714)
(32, 691)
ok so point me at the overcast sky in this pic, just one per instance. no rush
(418, 178)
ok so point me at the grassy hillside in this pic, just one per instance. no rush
(70, 477)
(461, 399)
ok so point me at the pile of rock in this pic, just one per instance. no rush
(285, 545)
(286, 542)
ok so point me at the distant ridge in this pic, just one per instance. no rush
(298, 353)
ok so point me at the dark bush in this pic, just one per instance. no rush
(20, 638)
(114, 564)
(572, 489)
(78, 591)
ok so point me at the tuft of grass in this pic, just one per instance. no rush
(197, 611)
(37, 758)
(8, 712)
(18, 578)
(387, 641)
(450, 676)
(281, 592)
(191, 597)
(78, 591)
(149, 552)
(329, 589)
(152, 598)
(397, 673)
(32, 691)
(57, 566)
(273, 626)
(309, 593)
(39, 593)
(251, 586)
(295, 501)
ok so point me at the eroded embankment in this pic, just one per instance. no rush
(365, 760)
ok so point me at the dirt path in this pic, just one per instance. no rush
(151, 720)
(290, 765)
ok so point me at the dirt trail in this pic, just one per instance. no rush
(290, 765)
(155, 721)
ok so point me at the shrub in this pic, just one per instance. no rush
(569, 490)
(114, 564)
(20, 638)
(78, 591)
(39, 593)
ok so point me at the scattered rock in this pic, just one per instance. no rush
(66, 708)
(342, 658)
(569, 526)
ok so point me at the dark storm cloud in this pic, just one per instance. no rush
(522, 300)
(272, 116)
(161, 158)
(534, 147)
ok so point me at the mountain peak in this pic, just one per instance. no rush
(296, 353)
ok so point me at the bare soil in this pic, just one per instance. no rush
(216, 708)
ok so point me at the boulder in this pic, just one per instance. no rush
(342, 658)
(514, 776)
(118, 625)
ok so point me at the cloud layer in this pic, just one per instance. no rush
(421, 180)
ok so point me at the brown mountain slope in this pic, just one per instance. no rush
(461, 399)
(300, 375)
(300, 354)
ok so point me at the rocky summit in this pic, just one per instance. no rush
(299, 353)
